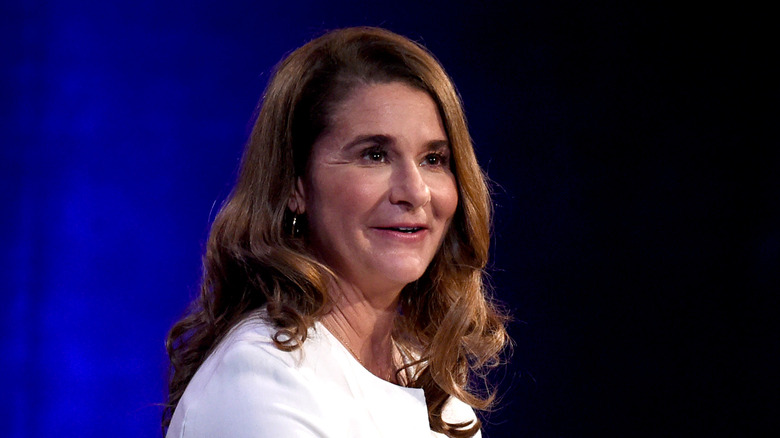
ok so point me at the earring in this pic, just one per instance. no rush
(295, 230)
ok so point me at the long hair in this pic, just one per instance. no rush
(253, 258)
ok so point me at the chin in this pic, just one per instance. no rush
(404, 275)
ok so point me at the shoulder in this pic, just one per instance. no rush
(249, 388)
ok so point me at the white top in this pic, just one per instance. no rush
(249, 388)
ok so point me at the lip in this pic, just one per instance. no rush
(402, 225)
(392, 231)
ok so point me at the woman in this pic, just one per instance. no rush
(342, 293)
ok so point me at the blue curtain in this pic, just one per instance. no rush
(123, 124)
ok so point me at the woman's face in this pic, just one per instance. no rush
(379, 194)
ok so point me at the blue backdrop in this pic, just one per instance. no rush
(636, 242)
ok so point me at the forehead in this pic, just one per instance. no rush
(393, 106)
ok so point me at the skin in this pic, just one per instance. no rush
(379, 197)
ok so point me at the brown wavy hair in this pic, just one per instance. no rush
(254, 259)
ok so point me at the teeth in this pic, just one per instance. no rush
(407, 229)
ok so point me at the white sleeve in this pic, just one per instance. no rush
(251, 393)
(456, 411)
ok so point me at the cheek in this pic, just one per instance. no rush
(362, 187)
(345, 194)
(446, 198)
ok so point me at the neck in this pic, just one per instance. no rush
(365, 328)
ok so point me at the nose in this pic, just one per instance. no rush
(408, 186)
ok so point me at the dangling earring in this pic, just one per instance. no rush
(295, 230)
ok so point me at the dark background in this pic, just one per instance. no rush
(634, 154)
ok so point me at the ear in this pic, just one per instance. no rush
(297, 203)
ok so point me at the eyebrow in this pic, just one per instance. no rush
(382, 140)
(368, 138)
(438, 144)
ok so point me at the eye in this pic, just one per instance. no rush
(438, 159)
(374, 154)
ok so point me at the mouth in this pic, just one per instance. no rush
(405, 230)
